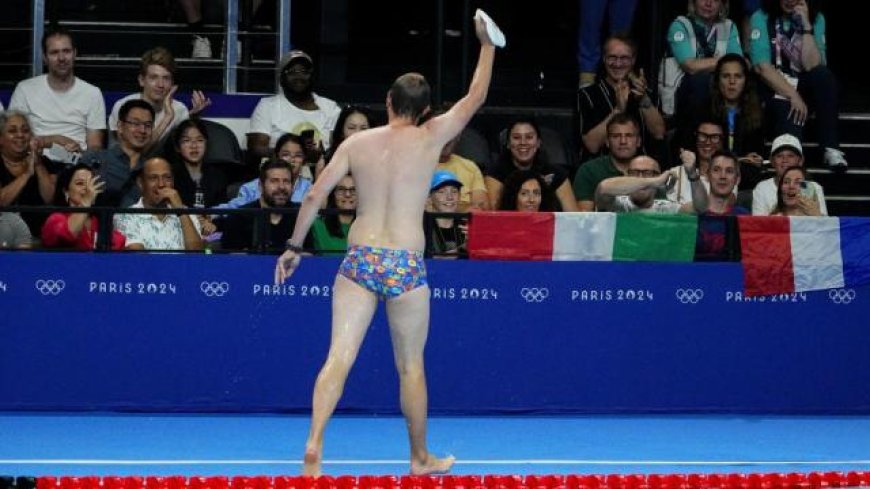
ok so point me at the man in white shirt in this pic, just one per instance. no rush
(296, 110)
(785, 152)
(636, 191)
(64, 110)
(157, 79)
(160, 231)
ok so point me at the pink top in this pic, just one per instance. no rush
(56, 234)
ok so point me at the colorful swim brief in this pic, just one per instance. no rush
(386, 272)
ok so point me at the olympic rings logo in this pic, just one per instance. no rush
(535, 294)
(689, 296)
(842, 296)
(50, 287)
(214, 289)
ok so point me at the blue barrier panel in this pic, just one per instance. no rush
(211, 333)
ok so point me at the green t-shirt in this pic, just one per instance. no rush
(591, 174)
(325, 243)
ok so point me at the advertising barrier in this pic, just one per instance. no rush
(212, 333)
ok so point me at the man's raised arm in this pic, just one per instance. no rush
(445, 127)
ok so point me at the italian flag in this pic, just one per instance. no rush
(798, 254)
(581, 236)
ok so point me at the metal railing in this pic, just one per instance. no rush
(231, 33)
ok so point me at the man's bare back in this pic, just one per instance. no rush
(392, 167)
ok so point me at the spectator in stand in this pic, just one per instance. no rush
(118, 163)
(245, 232)
(734, 103)
(159, 231)
(200, 183)
(697, 41)
(620, 14)
(157, 80)
(26, 178)
(522, 152)
(351, 120)
(526, 191)
(623, 142)
(296, 110)
(636, 192)
(723, 173)
(621, 91)
(789, 52)
(709, 139)
(77, 187)
(473, 193)
(289, 150)
(785, 152)
(64, 110)
(446, 236)
(796, 195)
(329, 231)
(14, 232)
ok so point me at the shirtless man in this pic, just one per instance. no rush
(392, 166)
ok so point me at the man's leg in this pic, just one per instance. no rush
(352, 311)
(409, 326)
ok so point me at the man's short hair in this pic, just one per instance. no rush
(728, 155)
(622, 118)
(139, 172)
(134, 104)
(274, 164)
(410, 95)
(56, 31)
(159, 56)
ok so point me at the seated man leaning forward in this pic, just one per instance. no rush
(159, 231)
(392, 166)
(636, 192)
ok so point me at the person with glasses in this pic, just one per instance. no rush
(117, 163)
(621, 90)
(330, 229)
(709, 139)
(296, 109)
(157, 71)
(636, 192)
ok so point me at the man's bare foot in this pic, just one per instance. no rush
(432, 465)
(311, 463)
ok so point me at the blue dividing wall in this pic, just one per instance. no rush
(209, 333)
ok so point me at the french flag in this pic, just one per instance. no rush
(798, 254)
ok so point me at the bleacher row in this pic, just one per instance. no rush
(792, 480)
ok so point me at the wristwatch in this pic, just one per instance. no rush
(292, 247)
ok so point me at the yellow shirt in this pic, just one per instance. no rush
(468, 173)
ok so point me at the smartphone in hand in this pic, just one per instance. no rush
(808, 190)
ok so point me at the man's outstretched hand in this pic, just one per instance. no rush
(287, 264)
